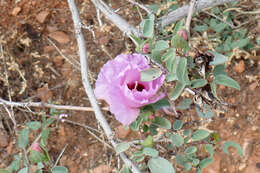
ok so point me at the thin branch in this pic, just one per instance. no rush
(121, 23)
(183, 11)
(192, 8)
(47, 105)
(140, 5)
(219, 18)
(61, 153)
(84, 72)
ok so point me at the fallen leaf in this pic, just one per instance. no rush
(42, 16)
(16, 11)
(240, 67)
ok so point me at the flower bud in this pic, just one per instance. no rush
(151, 117)
(36, 147)
(145, 48)
(183, 34)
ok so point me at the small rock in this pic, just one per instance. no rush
(102, 169)
(42, 16)
(121, 132)
(16, 11)
(222, 87)
(240, 67)
(60, 37)
(253, 86)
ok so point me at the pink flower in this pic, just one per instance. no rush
(119, 85)
(183, 34)
(145, 48)
(36, 147)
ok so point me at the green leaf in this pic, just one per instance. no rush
(34, 125)
(169, 55)
(219, 27)
(219, 69)
(23, 170)
(208, 114)
(177, 125)
(137, 40)
(148, 26)
(178, 26)
(15, 165)
(182, 66)
(201, 28)
(227, 81)
(228, 144)
(162, 122)
(23, 138)
(187, 166)
(177, 139)
(209, 148)
(197, 83)
(44, 136)
(181, 159)
(199, 135)
(191, 150)
(161, 45)
(205, 162)
(150, 74)
(195, 161)
(218, 58)
(240, 43)
(184, 104)
(122, 147)
(213, 89)
(125, 170)
(160, 104)
(36, 157)
(258, 39)
(179, 42)
(148, 142)
(177, 90)
(4, 171)
(150, 152)
(186, 132)
(154, 8)
(158, 164)
(59, 169)
(136, 124)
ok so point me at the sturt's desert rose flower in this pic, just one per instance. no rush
(119, 85)
(36, 147)
(183, 33)
(145, 48)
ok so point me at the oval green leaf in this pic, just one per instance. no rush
(209, 148)
(121, 147)
(205, 162)
(59, 169)
(177, 125)
(177, 90)
(227, 81)
(23, 138)
(199, 135)
(218, 58)
(162, 122)
(177, 139)
(150, 74)
(148, 26)
(158, 164)
(191, 150)
(197, 83)
(34, 125)
(4, 171)
(150, 152)
(182, 66)
(161, 45)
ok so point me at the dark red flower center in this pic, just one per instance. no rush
(137, 86)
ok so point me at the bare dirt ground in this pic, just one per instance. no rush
(32, 69)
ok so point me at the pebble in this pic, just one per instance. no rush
(42, 16)
(60, 37)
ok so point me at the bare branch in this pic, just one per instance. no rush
(140, 5)
(192, 8)
(47, 105)
(183, 11)
(88, 89)
(121, 23)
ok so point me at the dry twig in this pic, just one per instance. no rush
(88, 89)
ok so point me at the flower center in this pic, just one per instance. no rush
(136, 85)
